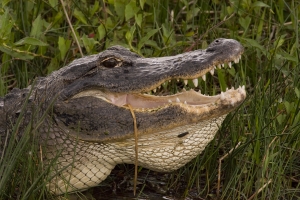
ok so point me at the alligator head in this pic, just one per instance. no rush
(91, 112)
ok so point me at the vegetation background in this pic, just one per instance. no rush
(255, 155)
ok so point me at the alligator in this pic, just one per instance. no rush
(82, 116)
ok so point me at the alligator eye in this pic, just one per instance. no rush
(111, 62)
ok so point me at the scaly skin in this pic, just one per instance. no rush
(80, 113)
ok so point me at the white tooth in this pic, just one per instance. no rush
(177, 100)
(219, 66)
(243, 87)
(215, 67)
(222, 96)
(204, 77)
(154, 90)
(170, 81)
(159, 87)
(227, 89)
(232, 88)
(183, 90)
(199, 91)
(212, 72)
(240, 56)
(185, 82)
(195, 81)
(229, 64)
(236, 60)
(185, 102)
(170, 101)
(178, 80)
(222, 65)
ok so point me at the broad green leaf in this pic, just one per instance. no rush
(287, 56)
(142, 3)
(255, 44)
(189, 34)
(6, 25)
(131, 9)
(54, 65)
(37, 26)
(54, 4)
(101, 32)
(129, 35)
(89, 43)
(58, 17)
(146, 38)
(259, 4)
(138, 19)
(245, 22)
(192, 13)
(280, 118)
(288, 106)
(94, 8)
(63, 46)
(120, 8)
(152, 43)
(16, 53)
(80, 16)
(31, 41)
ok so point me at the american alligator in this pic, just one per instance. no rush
(87, 127)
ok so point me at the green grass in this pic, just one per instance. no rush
(35, 39)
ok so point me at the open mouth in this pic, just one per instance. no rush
(184, 98)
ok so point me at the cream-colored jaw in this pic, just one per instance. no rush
(189, 98)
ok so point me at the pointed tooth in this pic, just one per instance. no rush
(229, 64)
(170, 101)
(185, 82)
(159, 87)
(240, 56)
(243, 87)
(222, 96)
(232, 88)
(199, 91)
(236, 60)
(183, 90)
(154, 90)
(227, 89)
(204, 77)
(215, 67)
(177, 100)
(185, 102)
(178, 80)
(212, 72)
(219, 66)
(195, 81)
(222, 65)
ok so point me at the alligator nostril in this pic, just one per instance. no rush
(182, 134)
